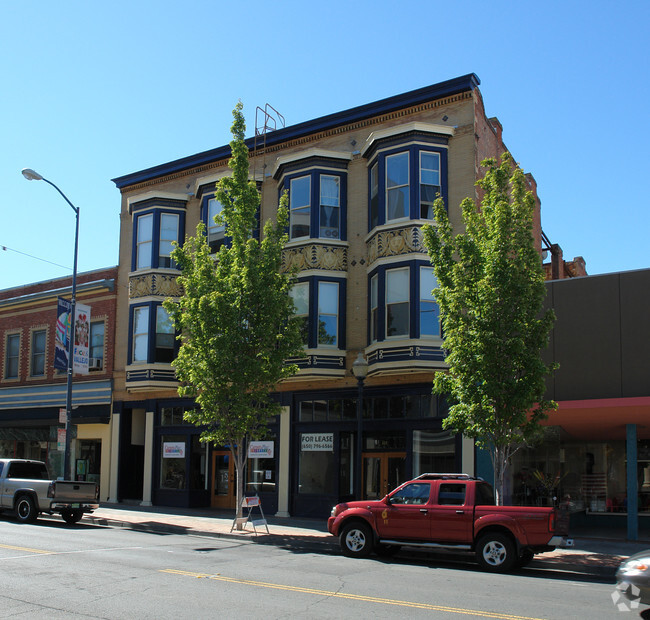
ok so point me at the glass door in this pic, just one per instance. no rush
(224, 488)
(382, 472)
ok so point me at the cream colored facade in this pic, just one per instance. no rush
(444, 123)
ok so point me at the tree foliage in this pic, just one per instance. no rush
(491, 292)
(235, 316)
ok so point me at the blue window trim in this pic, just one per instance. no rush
(155, 234)
(151, 332)
(314, 221)
(414, 151)
(312, 340)
(206, 197)
(414, 299)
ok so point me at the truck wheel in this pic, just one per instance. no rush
(26, 509)
(356, 540)
(495, 553)
(72, 516)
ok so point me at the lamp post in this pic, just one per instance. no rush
(31, 175)
(360, 371)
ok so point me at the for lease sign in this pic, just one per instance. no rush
(317, 442)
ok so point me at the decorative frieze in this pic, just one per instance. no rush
(395, 242)
(315, 256)
(158, 284)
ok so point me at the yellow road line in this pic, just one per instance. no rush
(27, 549)
(354, 597)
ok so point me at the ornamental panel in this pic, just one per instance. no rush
(315, 256)
(395, 242)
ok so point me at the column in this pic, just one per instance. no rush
(115, 453)
(284, 452)
(148, 459)
(632, 484)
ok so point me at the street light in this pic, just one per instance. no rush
(32, 175)
(360, 371)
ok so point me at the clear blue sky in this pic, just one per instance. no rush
(92, 91)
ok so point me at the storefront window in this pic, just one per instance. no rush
(173, 472)
(317, 467)
(433, 452)
(172, 416)
(588, 476)
(261, 476)
(197, 464)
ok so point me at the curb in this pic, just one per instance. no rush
(572, 564)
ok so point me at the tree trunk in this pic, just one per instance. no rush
(500, 458)
(239, 456)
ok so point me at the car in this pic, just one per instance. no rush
(633, 578)
(451, 512)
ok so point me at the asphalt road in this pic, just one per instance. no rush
(90, 571)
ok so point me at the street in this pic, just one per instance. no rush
(90, 571)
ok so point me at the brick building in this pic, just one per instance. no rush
(361, 185)
(32, 391)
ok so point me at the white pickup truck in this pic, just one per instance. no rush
(26, 488)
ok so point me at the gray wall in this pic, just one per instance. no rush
(601, 337)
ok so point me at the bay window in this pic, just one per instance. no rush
(140, 340)
(216, 232)
(165, 336)
(397, 302)
(429, 311)
(429, 183)
(299, 207)
(330, 203)
(397, 187)
(168, 234)
(300, 295)
(328, 313)
(144, 241)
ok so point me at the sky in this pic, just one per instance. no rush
(95, 90)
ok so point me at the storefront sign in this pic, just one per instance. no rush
(174, 450)
(260, 450)
(317, 442)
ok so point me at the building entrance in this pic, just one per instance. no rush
(382, 472)
(224, 488)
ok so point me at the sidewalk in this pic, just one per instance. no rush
(598, 554)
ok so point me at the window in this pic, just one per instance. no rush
(397, 302)
(451, 494)
(140, 334)
(397, 187)
(416, 493)
(38, 353)
(216, 232)
(12, 356)
(328, 304)
(144, 241)
(374, 308)
(374, 196)
(299, 207)
(97, 343)
(300, 296)
(429, 182)
(165, 336)
(429, 311)
(168, 234)
(173, 466)
(330, 203)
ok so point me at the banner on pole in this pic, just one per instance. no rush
(61, 338)
(81, 339)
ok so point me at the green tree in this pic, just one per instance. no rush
(235, 316)
(491, 292)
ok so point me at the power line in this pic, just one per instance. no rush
(6, 249)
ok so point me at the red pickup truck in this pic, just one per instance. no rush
(451, 512)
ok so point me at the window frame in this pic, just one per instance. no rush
(328, 283)
(38, 331)
(301, 207)
(167, 257)
(215, 233)
(156, 213)
(397, 187)
(8, 357)
(392, 271)
(421, 183)
(144, 335)
(150, 323)
(316, 176)
(92, 348)
(378, 172)
(431, 300)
